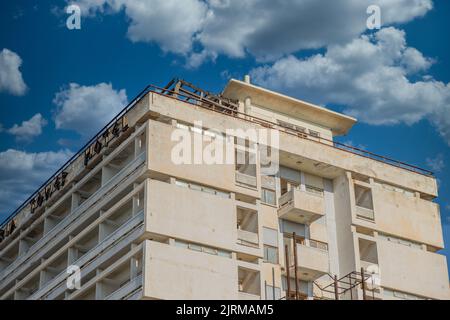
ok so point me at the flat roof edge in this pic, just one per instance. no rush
(349, 121)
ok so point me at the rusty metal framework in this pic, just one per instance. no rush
(336, 288)
(347, 284)
(188, 92)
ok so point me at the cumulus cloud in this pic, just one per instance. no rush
(11, 80)
(86, 109)
(29, 129)
(267, 29)
(368, 75)
(436, 163)
(21, 173)
(171, 24)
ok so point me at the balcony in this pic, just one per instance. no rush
(247, 237)
(109, 247)
(300, 206)
(248, 296)
(82, 214)
(249, 284)
(312, 259)
(365, 213)
(127, 290)
(245, 179)
(247, 227)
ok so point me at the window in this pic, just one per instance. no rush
(269, 293)
(195, 247)
(224, 195)
(401, 241)
(209, 250)
(209, 190)
(182, 126)
(291, 126)
(204, 249)
(270, 237)
(223, 253)
(181, 244)
(270, 254)
(181, 184)
(313, 184)
(196, 130)
(314, 134)
(245, 157)
(363, 197)
(195, 187)
(268, 196)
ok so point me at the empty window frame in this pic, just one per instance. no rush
(268, 196)
(245, 157)
(363, 197)
(270, 293)
(270, 238)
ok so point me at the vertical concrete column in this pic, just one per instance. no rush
(135, 202)
(23, 246)
(72, 254)
(42, 276)
(330, 217)
(247, 105)
(75, 201)
(99, 294)
(302, 181)
(133, 265)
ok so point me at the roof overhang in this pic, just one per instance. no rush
(339, 123)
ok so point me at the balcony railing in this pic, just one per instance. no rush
(245, 179)
(127, 289)
(37, 249)
(91, 258)
(312, 257)
(365, 213)
(248, 236)
(248, 296)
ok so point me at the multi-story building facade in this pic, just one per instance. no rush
(331, 222)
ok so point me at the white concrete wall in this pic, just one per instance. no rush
(176, 273)
(191, 215)
(413, 270)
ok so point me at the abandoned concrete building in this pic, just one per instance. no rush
(334, 221)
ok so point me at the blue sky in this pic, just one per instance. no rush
(311, 51)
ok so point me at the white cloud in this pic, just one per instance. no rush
(86, 109)
(350, 143)
(437, 163)
(414, 61)
(21, 173)
(369, 76)
(11, 80)
(29, 128)
(171, 24)
(267, 29)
